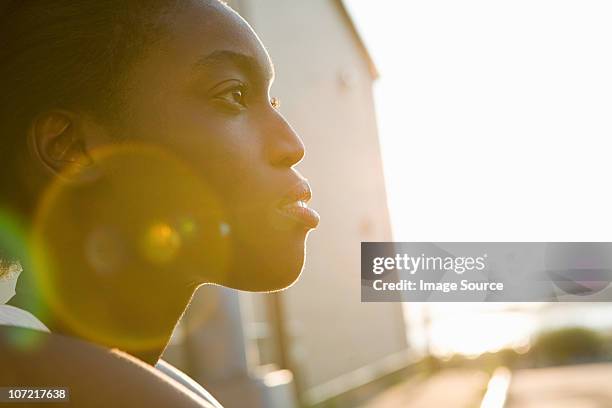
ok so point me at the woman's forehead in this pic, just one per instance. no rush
(210, 28)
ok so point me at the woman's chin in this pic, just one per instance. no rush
(285, 280)
(273, 272)
(269, 280)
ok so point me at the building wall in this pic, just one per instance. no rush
(325, 85)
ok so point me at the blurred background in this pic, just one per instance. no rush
(425, 121)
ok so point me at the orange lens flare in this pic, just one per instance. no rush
(161, 243)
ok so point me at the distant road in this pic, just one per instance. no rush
(579, 386)
(451, 388)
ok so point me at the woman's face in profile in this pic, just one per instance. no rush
(201, 93)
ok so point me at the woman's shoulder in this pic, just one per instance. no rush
(94, 376)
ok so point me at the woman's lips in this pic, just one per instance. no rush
(300, 211)
(294, 205)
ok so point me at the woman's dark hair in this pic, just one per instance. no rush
(67, 54)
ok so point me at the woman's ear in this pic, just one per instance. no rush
(61, 142)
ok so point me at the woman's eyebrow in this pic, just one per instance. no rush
(244, 62)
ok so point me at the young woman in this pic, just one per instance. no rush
(142, 156)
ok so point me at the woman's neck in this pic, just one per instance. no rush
(137, 316)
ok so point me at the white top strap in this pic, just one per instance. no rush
(13, 316)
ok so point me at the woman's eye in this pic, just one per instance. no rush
(234, 96)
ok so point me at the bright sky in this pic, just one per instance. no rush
(495, 122)
(495, 117)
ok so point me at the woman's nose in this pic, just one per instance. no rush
(286, 149)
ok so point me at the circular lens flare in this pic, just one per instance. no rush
(107, 249)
